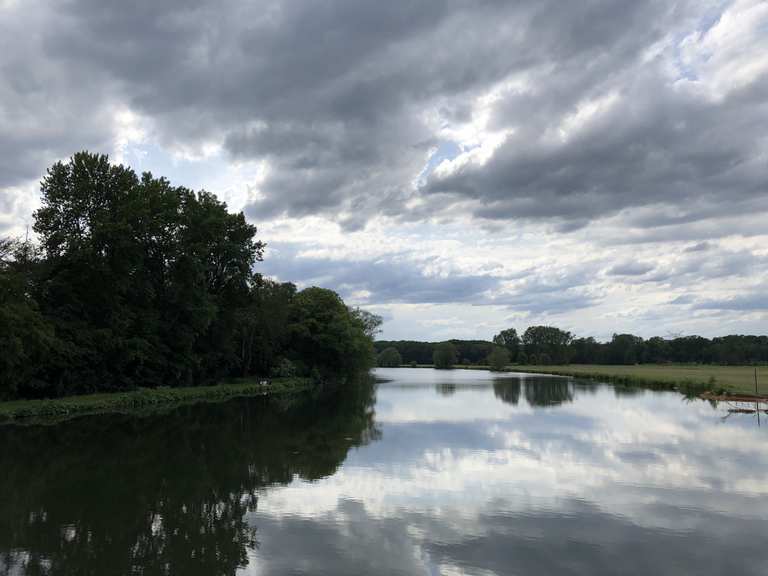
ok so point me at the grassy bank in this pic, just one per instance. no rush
(693, 378)
(142, 400)
(685, 377)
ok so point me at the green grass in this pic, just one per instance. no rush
(141, 400)
(685, 377)
(688, 378)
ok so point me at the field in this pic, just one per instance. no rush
(688, 378)
(735, 379)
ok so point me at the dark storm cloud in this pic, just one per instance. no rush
(47, 110)
(652, 144)
(335, 96)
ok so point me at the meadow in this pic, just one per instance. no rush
(734, 379)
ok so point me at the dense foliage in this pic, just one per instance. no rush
(630, 349)
(546, 344)
(136, 282)
(550, 345)
(510, 341)
(445, 355)
(498, 359)
(389, 358)
(467, 351)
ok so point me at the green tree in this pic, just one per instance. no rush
(586, 351)
(370, 322)
(263, 327)
(656, 350)
(549, 345)
(625, 349)
(328, 337)
(144, 280)
(445, 355)
(510, 340)
(390, 358)
(27, 340)
(498, 359)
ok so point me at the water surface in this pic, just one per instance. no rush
(431, 472)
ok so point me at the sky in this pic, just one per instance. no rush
(458, 167)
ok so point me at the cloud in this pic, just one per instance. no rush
(565, 113)
(399, 277)
(699, 247)
(683, 299)
(629, 130)
(630, 269)
(533, 136)
(407, 277)
(750, 302)
(689, 268)
(533, 303)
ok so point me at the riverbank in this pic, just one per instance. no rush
(143, 399)
(687, 378)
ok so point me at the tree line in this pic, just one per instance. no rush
(134, 282)
(548, 345)
(414, 352)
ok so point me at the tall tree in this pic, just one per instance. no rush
(510, 340)
(547, 345)
(142, 278)
(326, 336)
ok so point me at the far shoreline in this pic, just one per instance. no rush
(712, 382)
(688, 379)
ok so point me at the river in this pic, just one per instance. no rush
(427, 472)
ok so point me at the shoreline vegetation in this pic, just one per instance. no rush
(708, 382)
(130, 283)
(723, 366)
(711, 381)
(143, 400)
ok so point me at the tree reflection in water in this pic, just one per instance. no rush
(446, 388)
(507, 390)
(537, 391)
(164, 494)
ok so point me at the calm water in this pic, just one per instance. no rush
(429, 473)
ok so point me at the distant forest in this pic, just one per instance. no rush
(131, 281)
(549, 345)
